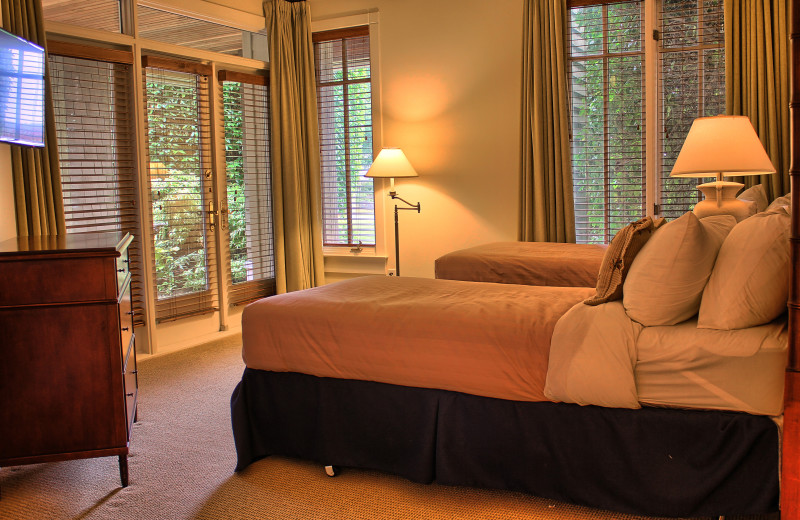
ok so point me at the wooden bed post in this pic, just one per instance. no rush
(790, 468)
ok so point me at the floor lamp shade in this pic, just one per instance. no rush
(722, 146)
(391, 163)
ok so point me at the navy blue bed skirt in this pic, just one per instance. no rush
(653, 461)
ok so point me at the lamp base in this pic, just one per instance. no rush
(721, 200)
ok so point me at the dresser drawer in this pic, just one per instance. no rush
(123, 268)
(125, 317)
(130, 378)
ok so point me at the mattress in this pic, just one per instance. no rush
(525, 263)
(741, 370)
(599, 356)
(483, 339)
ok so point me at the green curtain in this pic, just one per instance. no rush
(757, 79)
(296, 188)
(36, 174)
(546, 210)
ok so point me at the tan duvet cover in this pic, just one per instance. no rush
(525, 263)
(479, 338)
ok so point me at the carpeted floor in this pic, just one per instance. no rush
(182, 459)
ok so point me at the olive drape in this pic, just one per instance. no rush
(36, 174)
(296, 188)
(546, 208)
(757, 79)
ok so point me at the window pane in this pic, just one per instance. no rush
(247, 159)
(344, 94)
(607, 110)
(177, 29)
(691, 85)
(92, 14)
(94, 126)
(180, 173)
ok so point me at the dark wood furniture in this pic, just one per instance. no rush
(68, 382)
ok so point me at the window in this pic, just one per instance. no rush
(248, 186)
(609, 57)
(180, 167)
(94, 125)
(344, 96)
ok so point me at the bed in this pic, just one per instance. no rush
(653, 460)
(525, 263)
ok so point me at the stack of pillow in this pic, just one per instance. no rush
(731, 275)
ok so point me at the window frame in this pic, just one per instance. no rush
(345, 260)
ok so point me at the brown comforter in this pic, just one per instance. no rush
(479, 338)
(526, 263)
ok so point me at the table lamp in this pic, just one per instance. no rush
(722, 146)
(391, 163)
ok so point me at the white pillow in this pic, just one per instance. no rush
(749, 285)
(665, 283)
(756, 194)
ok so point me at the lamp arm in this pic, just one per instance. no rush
(411, 206)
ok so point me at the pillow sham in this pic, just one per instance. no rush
(666, 281)
(618, 258)
(756, 194)
(749, 285)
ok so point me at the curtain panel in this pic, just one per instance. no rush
(36, 174)
(757, 80)
(546, 207)
(299, 263)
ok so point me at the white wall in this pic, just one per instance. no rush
(451, 90)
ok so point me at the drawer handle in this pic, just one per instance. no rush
(126, 261)
(120, 270)
(125, 328)
(134, 371)
(131, 313)
(130, 394)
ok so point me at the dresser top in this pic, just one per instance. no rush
(106, 243)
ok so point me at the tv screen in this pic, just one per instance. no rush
(21, 91)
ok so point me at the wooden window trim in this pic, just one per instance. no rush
(160, 62)
(338, 34)
(242, 77)
(76, 50)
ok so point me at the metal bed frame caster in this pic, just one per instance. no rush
(331, 471)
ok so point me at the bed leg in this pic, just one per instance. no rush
(331, 471)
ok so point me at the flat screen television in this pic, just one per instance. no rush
(21, 91)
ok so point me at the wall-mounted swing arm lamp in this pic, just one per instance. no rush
(391, 163)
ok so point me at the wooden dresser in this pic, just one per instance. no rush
(68, 383)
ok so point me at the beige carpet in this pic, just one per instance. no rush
(182, 460)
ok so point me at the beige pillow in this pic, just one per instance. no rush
(749, 285)
(785, 201)
(755, 194)
(618, 258)
(665, 283)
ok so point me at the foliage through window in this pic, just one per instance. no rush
(344, 94)
(608, 60)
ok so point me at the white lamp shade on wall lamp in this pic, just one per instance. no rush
(722, 146)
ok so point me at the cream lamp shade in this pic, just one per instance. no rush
(391, 162)
(722, 146)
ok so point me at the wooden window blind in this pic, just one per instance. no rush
(103, 15)
(178, 129)
(95, 131)
(691, 84)
(606, 74)
(345, 120)
(248, 221)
